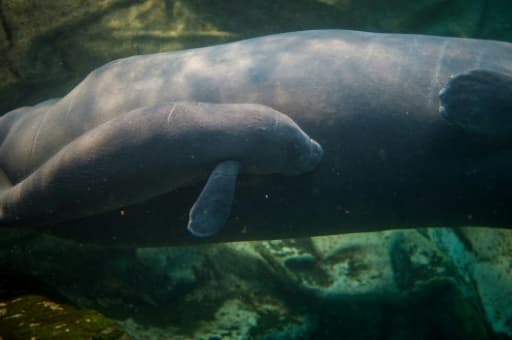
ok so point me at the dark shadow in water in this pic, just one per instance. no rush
(14, 284)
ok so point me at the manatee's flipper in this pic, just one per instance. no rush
(211, 210)
(479, 101)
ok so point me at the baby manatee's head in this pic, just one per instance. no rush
(302, 153)
(250, 138)
(277, 143)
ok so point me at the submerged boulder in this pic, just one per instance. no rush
(37, 317)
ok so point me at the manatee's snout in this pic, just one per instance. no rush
(315, 155)
(311, 159)
(305, 157)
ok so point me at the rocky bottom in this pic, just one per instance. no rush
(413, 284)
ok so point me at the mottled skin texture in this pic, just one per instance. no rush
(371, 100)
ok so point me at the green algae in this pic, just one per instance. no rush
(36, 317)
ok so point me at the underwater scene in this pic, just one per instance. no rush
(310, 169)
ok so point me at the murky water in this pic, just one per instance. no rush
(310, 241)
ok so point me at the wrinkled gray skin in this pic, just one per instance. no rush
(371, 100)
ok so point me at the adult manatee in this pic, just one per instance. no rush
(415, 132)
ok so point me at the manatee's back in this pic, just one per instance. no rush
(312, 76)
(31, 135)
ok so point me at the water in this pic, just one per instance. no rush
(105, 277)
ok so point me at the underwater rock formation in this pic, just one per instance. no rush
(37, 317)
(441, 283)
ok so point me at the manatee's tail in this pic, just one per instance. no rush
(479, 101)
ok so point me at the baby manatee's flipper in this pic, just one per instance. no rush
(211, 210)
(479, 101)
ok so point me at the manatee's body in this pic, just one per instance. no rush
(154, 150)
(371, 100)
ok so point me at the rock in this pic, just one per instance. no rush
(398, 284)
(37, 317)
(333, 266)
(110, 280)
(484, 257)
(180, 265)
